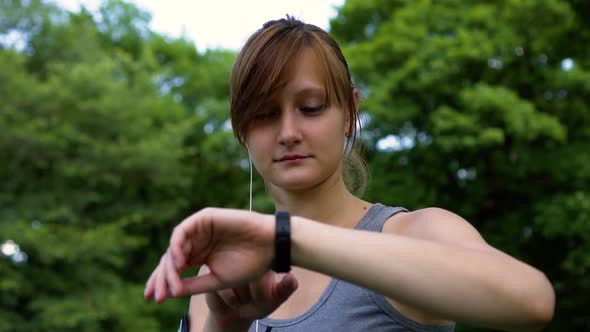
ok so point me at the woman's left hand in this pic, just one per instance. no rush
(236, 245)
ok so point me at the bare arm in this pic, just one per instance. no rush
(447, 270)
(198, 312)
(443, 268)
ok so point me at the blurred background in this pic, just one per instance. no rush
(112, 130)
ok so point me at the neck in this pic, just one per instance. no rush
(329, 202)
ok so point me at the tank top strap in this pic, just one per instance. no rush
(376, 217)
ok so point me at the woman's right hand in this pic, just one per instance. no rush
(235, 308)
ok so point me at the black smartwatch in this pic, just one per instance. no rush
(282, 259)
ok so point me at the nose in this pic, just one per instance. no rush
(289, 128)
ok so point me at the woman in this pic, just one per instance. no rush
(356, 266)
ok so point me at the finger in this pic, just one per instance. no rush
(285, 288)
(202, 284)
(261, 289)
(177, 245)
(182, 290)
(182, 234)
(172, 278)
(229, 297)
(215, 302)
(243, 294)
(180, 248)
(149, 286)
(161, 287)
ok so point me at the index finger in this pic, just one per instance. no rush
(180, 244)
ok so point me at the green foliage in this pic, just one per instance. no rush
(490, 122)
(109, 136)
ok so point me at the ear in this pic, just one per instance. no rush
(356, 96)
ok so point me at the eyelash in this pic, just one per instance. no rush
(311, 110)
(265, 115)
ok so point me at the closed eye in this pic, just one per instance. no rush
(312, 109)
(266, 115)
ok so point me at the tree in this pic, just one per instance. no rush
(110, 135)
(482, 108)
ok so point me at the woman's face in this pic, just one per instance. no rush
(297, 142)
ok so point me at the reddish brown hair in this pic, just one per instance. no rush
(256, 77)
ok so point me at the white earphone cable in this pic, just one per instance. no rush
(250, 162)
(250, 201)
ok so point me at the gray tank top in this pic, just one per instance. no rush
(347, 307)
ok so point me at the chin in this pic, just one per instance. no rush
(299, 179)
(298, 183)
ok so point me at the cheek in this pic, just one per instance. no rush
(330, 141)
(259, 150)
(254, 139)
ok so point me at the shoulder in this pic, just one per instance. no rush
(438, 225)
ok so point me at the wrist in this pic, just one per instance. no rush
(297, 228)
(307, 243)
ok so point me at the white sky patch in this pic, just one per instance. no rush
(9, 248)
(389, 143)
(13, 252)
(395, 143)
(567, 64)
(222, 23)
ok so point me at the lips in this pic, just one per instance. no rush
(291, 157)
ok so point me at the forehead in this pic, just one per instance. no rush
(302, 73)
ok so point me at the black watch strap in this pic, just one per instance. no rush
(282, 260)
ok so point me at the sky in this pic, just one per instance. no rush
(222, 23)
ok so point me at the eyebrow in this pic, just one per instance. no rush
(318, 91)
(315, 91)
